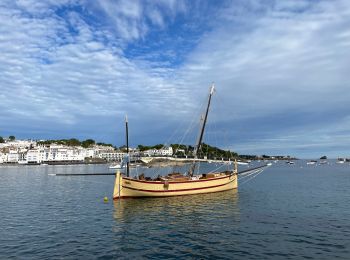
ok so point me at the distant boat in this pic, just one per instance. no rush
(115, 166)
(323, 162)
(242, 163)
(175, 184)
(290, 162)
(341, 160)
(311, 162)
(269, 164)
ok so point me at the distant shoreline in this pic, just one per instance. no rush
(155, 162)
(52, 163)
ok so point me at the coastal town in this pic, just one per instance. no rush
(33, 152)
(72, 151)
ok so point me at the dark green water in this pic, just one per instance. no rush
(287, 212)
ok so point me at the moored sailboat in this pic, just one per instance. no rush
(175, 184)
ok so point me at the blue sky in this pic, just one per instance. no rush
(74, 68)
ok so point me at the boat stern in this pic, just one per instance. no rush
(117, 185)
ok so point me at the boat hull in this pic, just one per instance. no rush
(131, 188)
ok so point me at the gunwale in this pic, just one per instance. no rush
(177, 182)
(180, 190)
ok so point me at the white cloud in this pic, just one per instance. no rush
(269, 59)
(284, 59)
(131, 19)
(51, 73)
(292, 60)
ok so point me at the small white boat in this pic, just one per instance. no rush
(311, 162)
(242, 163)
(115, 166)
(290, 162)
(341, 160)
(269, 164)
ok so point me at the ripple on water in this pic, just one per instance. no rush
(276, 216)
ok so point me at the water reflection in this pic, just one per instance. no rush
(212, 203)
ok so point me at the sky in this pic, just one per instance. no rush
(75, 68)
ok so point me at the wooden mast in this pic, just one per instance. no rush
(199, 141)
(127, 146)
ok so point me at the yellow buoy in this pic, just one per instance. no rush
(105, 199)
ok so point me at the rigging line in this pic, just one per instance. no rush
(199, 113)
(177, 130)
(194, 119)
(193, 123)
(220, 107)
(249, 174)
(252, 177)
(82, 174)
(174, 133)
(245, 172)
(215, 170)
(190, 128)
(99, 182)
(214, 126)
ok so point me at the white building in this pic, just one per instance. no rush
(61, 153)
(112, 156)
(19, 144)
(90, 153)
(2, 157)
(27, 152)
(12, 157)
(33, 156)
(167, 151)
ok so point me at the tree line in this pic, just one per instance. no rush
(11, 138)
(181, 150)
(73, 142)
(69, 142)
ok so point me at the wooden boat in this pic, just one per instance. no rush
(126, 187)
(175, 184)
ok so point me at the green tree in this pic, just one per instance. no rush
(123, 148)
(12, 138)
(158, 146)
(87, 143)
(73, 142)
(179, 153)
(142, 147)
(2, 140)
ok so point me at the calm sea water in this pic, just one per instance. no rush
(287, 212)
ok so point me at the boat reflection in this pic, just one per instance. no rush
(174, 208)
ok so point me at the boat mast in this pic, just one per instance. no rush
(127, 144)
(199, 141)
